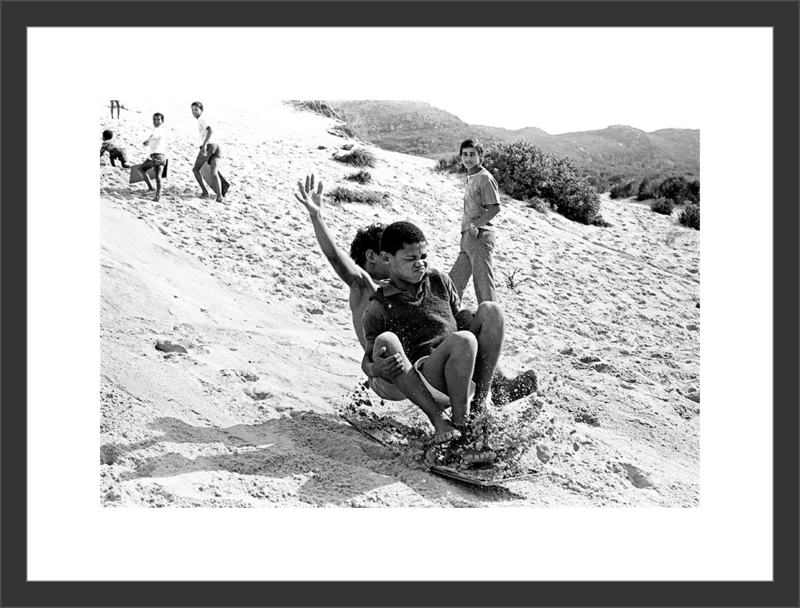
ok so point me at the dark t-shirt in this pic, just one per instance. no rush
(421, 320)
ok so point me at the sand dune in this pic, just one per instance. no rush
(608, 318)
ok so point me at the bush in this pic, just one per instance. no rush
(362, 177)
(343, 195)
(694, 192)
(690, 216)
(675, 188)
(648, 188)
(661, 205)
(452, 164)
(624, 190)
(525, 172)
(359, 157)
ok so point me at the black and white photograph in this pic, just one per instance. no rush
(346, 292)
(530, 335)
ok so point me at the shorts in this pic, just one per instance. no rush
(155, 160)
(118, 154)
(386, 389)
(213, 151)
(439, 397)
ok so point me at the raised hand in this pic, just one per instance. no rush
(311, 200)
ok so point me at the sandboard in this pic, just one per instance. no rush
(205, 171)
(387, 433)
(474, 478)
(137, 175)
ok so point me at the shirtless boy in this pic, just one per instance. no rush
(362, 272)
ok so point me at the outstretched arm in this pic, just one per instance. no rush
(345, 267)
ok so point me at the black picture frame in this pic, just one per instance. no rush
(781, 16)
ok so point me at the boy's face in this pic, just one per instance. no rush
(157, 122)
(196, 111)
(409, 263)
(470, 158)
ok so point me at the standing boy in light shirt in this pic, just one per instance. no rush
(210, 152)
(481, 205)
(158, 154)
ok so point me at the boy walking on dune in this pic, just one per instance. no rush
(158, 154)
(481, 205)
(210, 152)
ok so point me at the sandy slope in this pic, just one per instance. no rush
(607, 318)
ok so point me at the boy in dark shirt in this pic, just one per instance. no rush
(114, 153)
(415, 316)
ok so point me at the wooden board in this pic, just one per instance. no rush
(205, 171)
(484, 482)
(137, 175)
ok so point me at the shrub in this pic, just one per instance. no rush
(648, 188)
(359, 157)
(662, 205)
(675, 188)
(690, 216)
(361, 177)
(452, 164)
(623, 190)
(694, 192)
(525, 172)
(342, 195)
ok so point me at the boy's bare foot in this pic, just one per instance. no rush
(473, 456)
(477, 454)
(220, 199)
(203, 195)
(445, 431)
(505, 390)
(157, 198)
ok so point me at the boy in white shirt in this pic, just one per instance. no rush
(158, 154)
(210, 152)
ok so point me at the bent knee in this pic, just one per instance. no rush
(489, 310)
(464, 342)
(390, 341)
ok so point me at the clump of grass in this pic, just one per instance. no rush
(690, 216)
(540, 205)
(344, 130)
(348, 195)
(318, 106)
(361, 177)
(669, 238)
(450, 164)
(662, 205)
(358, 157)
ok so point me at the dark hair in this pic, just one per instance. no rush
(396, 235)
(366, 238)
(159, 114)
(107, 135)
(198, 104)
(471, 143)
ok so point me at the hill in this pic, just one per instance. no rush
(418, 128)
(247, 416)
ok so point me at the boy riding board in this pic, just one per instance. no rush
(362, 272)
(417, 309)
(386, 372)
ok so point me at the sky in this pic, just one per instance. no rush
(556, 115)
